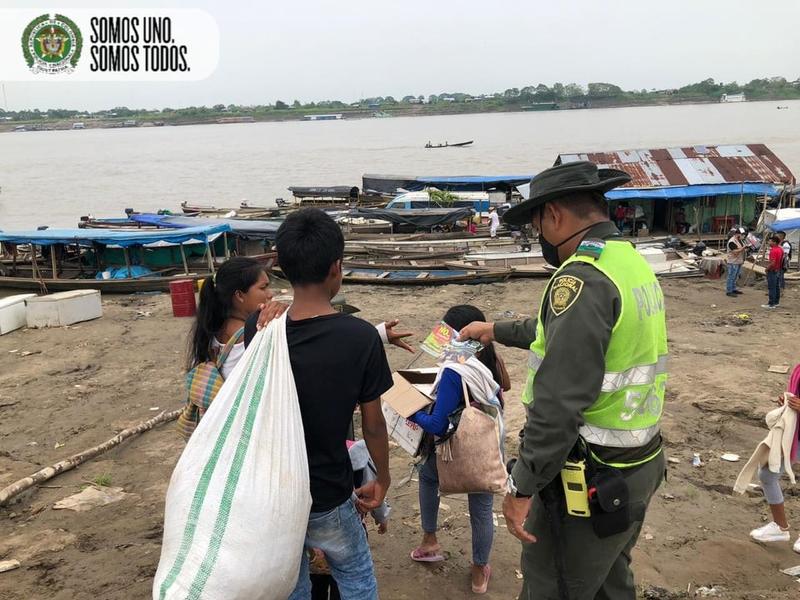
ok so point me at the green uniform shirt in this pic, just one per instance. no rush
(570, 378)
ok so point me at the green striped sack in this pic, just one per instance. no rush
(238, 501)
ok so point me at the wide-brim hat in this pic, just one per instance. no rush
(563, 180)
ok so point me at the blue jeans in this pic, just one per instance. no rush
(341, 536)
(480, 512)
(770, 483)
(781, 279)
(733, 275)
(773, 287)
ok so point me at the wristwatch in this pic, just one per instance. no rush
(512, 489)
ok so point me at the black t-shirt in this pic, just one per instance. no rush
(338, 361)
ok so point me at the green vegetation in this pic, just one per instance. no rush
(103, 480)
(441, 197)
(538, 97)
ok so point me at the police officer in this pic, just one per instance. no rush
(594, 393)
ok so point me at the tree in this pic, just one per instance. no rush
(574, 90)
(543, 93)
(528, 91)
(389, 100)
(433, 99)
(407, 99)
(511, 93)
(296, 104)
(219, 107)
(558, 91)
(280, 105)
(604, 90)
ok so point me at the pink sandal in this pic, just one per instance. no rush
(419, 555)
(487, 570)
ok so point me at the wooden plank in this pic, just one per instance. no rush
(53, 261)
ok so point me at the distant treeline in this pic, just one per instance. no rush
(559, 95)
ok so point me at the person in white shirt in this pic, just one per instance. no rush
(786, 245)
(494, 221)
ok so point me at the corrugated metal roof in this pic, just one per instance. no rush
(692, 165)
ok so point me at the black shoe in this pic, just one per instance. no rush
(731, 294)
(737, 292)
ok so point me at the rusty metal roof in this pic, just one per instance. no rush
(692, 165)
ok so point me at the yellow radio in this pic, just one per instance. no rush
(573, 476)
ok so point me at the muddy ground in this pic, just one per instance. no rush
(82, 384)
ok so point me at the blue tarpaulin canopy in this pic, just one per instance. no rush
(246, 228)
(390, 185)
(110, 237)
(691, 192)
(479, 182)
(785, 225)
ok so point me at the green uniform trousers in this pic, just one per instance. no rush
(595, 568)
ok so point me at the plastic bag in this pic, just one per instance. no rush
(238, 502)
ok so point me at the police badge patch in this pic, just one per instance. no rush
(563, 293)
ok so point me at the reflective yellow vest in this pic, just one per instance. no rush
(628, 409)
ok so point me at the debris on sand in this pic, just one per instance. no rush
(90, 498)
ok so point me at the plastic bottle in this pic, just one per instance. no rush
(696, 462)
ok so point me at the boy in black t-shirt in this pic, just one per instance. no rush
(338, 362)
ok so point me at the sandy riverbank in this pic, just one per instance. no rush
(84, 383)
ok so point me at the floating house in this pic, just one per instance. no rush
(733, 98)
(500, 187)
(332, 117)
(710, 188)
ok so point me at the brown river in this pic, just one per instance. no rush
(54, 177)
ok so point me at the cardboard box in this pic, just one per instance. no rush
(12, 312)
(409, 394)
(64, 308)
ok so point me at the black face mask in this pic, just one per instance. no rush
(550, 251)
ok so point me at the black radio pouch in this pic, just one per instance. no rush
(609, 502)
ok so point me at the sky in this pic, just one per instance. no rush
(315, 50)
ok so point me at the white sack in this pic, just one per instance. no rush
(238, 502)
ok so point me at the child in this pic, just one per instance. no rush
(338, 363)
(484, 375)
(778, 529)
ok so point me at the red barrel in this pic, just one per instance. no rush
(182, 294)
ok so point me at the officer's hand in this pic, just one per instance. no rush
(478, 330)
(516, 510)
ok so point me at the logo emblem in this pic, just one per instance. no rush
(52, 45)
(564, 292)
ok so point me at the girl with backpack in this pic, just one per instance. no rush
(484, 376)
(227, 298)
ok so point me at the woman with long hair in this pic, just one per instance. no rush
(227, 298)
(485, 378)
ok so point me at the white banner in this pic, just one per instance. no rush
(107, 45)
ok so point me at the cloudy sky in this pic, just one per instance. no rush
(319, 49)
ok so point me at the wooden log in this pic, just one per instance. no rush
(73, 461)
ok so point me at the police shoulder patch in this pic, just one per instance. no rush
(563, 293)
(591, 247)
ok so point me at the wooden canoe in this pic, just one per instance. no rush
(106, 286)
(422, 277)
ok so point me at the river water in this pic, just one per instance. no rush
(54, 177)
